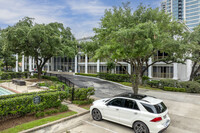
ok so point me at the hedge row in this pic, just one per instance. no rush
(52, 78)
(11, 75)
(174, 89)
(22, 105)
(82, 93)
(189, 86)
(114, 77)
(24, 94)
(119, 77)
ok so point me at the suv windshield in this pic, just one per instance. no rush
(156, 109)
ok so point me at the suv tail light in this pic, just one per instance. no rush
(156, 119)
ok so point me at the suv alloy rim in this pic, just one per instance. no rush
(140, 127)
(96, 114)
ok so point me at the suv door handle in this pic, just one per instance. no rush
(135, 113)
(117, 109)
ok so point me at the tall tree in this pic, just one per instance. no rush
(41, 41)
(136, 36)
(7, 57)
(193, 40)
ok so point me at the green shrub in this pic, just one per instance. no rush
(54, 111)
(63, 108)
(174, 89)
(198, 80)
(82, 93)
(24, 94)
(169, 83)
(115, 77)
(52, 78)
(35, 75)
(52, 87)
(84, 74)
(48, 112)
(145, 79)
(154, 83)
(11, 75)
(119, 77)
(84, 102)
(191, 86)
(42, 84)
(39, 114)
(24, 104)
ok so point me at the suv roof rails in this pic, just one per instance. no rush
(131, 95)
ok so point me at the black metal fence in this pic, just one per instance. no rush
(64, 80)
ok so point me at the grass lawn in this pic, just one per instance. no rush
(2, 81)
(142, 87)
(87, 108)
(36, 123)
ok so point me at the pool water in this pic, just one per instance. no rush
(5, 91)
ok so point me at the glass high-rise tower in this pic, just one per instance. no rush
(186, 10)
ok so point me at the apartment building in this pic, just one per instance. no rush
(187, 11)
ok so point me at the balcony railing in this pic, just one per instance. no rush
(162, 75)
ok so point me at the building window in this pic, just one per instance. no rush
(92, 69)
(121, 69)
(163, 71)
(103, 69)
(82, 69)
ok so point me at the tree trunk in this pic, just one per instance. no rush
(192, 72)
(6, 67)
(135, 79)
(39, 72)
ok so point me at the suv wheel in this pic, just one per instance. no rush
(96, 115)
(140, 127)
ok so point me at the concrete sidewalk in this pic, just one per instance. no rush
(61, 124)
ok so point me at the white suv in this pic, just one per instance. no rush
(145, 114)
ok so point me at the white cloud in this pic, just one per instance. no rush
(72, 13)
(13, 10)
(94, 7)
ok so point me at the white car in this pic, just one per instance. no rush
(145, 114)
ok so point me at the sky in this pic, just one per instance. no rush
(80, 15)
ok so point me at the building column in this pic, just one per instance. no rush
(52, 63)
(76, 64)
(48, 66)
(33, 63)
(86, 64)
(150, 68)
(30, 63)
(25, 63)
(22, 63)
(44, 65)
(175, 71)
(129, 68)
(189, 68)
(16, 64)
(98, 66)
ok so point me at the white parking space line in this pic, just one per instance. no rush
(99, 126)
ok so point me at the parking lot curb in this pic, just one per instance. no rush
(54, 122)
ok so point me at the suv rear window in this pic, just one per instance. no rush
(156, 109)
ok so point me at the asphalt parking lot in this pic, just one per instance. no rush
(183, 109)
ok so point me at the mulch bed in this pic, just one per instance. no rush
(20, 120)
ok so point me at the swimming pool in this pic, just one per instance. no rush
(5, 91)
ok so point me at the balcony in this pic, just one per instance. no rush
(159, 57)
